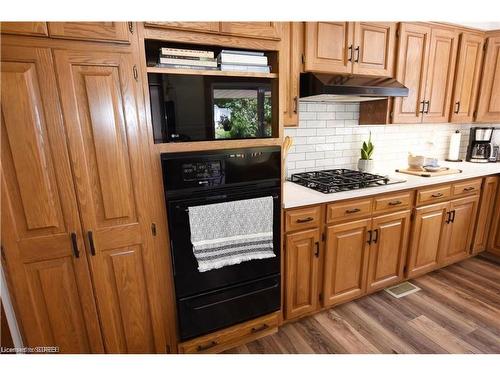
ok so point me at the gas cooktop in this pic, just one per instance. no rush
(337, 180)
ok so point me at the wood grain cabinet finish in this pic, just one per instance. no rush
(98, 95)
(461, 230)
(485, 213)
(301, 273)
(41, 234)
(429, 235)
(262, 30)
(24, 28)
(292, 43)
(494, 235)
(388, 249)
(488, 109)
(467, 76)
(328, 47)
(191, 26)
(346, 261)
(102, 31)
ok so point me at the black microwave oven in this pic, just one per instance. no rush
(188, 108)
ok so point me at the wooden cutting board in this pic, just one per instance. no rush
(424, 173)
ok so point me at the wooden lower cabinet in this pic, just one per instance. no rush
(428, 236)
(463, 212)
(388, 250)
(485, 214)
(301, 270)
(346, 261)
(494, 235)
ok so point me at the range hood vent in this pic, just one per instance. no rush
(329, 87)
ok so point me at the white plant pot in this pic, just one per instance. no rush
(365, 165)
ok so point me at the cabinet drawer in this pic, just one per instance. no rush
(466, 188)
(230, 337)
(392, 202)
(301, 218)
(348, 210)
(435, 194)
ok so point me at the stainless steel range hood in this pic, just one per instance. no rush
(319, 87)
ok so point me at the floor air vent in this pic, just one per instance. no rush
(402, 289)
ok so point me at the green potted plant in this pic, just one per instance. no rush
(365, 164)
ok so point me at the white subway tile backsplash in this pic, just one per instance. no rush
(329, 136)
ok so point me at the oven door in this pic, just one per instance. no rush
(188, 280)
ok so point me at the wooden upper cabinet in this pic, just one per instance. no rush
(411, 71)
(24, 28)
(440, 74)
(388, 250)
(346, 261)
(261, 30)
(328, 47)
(468, 71)
(103, 31)
(292, 46)
(488, 109)
(301, 270)
(99, 101)
(192, 26)
(374, 48)
(41, 233)
(485, 215)
(430, 234)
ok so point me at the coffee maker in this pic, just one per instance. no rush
(480, 148)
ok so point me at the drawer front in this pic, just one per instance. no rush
(466, 188)
(434, 194)
(393, 202)
(302, 218)
(347, 210)
(230, 337)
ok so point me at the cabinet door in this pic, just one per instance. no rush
(461, 231)
(192, 26)
(106, 31)
(98, 95)
(290, 68)
(411, 70)
(494, 235)
(488, 109)
(346, 261)
(262, 30)
(24, 28)
(301, 270)
(329, 47)
(429, 235)
(374, 48)
(440, 74)
(53, 290)
(470, 56)
(388, 249)
(485, 214)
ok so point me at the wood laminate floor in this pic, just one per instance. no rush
(457, 311)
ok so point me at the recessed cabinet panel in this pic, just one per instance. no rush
(486, 211)
(24, 28)
(106, 31)
(467, 76)
(252, 29)
(489, 96)
(194, 26)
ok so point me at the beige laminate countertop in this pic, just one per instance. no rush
(295, 195)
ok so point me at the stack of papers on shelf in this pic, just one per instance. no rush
(243, 61)
(187, 58)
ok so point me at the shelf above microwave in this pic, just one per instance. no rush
(217, 73)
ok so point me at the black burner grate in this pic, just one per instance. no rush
(336, 180)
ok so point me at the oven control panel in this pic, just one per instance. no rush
(201, 171)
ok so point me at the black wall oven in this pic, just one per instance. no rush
(207, 301)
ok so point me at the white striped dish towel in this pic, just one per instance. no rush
(229, 233)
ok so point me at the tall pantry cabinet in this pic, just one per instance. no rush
(76, 229)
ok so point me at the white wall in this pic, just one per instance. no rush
(329, 136)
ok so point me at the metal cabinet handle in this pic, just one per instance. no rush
(295, 104)
(437, 195)
(422, 106)
(261, 328)
(457, 107)
(375, 239)
(453, 216)
(352, 210)
(316, 253)
(394, 203)
(370, 234)
(427, 108)
(91, 242)
(350, 53)
(470, 188)
(211, 344)
(74, 245)
(357, 54)
(307, 219)
(448, 219)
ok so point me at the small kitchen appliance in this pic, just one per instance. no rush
(480, 148)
